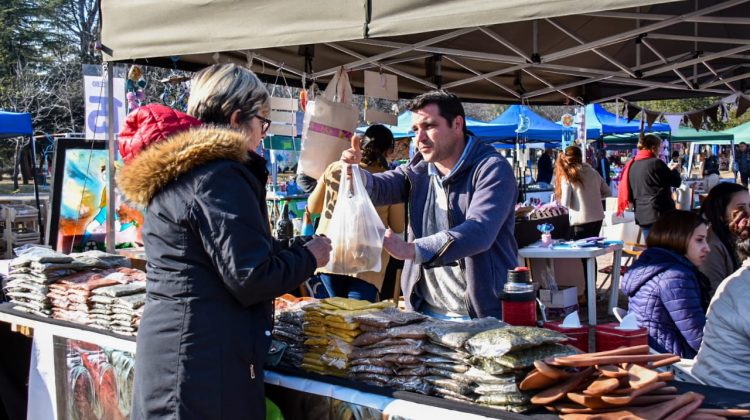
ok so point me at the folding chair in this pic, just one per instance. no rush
(630, 251)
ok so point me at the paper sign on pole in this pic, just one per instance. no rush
(284, 104)
(283, 116)
(381, 85)
(95, 95)
(374, 116)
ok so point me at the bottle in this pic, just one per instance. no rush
(284, 227)
(519, 299)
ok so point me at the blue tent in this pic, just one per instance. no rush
(14, 124)
(607, 123)
(484, 131)
(540, 128)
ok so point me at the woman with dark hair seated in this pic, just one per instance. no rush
(665, 290)
(727, 332)
(717, 209)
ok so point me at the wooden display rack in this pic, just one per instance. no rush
(21, 226)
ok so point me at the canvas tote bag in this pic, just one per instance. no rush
(328, 126)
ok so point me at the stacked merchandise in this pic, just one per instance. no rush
(119, 308)
(329, 330)
(99, 259)
(390, 350)
(70, 295)
(450, 373)
(501, 357)
(30, 276)
(287, 330)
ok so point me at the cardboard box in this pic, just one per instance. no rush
(559, 303)
(561, 298)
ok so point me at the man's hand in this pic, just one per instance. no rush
(320, 247)
(397, 247)
(354, 155)
(740, 225)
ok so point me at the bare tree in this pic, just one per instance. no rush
(78, 21)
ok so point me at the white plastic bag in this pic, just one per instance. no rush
(355, 230)
(328, 126)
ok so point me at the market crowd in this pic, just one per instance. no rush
(214, 267)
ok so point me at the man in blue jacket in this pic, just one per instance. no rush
(461, 196)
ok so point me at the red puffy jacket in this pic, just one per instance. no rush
(149, 124)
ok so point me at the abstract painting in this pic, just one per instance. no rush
(78, 210)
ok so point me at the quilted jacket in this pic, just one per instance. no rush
(664, 292)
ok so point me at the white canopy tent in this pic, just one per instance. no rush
(551, 52)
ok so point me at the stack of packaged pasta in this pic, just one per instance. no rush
(30, 276)
(390, 349)
(329, 329)
(287, 329)
(501, 357)
(119, 308)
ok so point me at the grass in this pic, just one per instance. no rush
(6, 188)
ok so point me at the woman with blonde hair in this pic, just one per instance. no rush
(581, 189)
(213, 267)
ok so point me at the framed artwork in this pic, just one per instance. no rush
(78, 205)
(92, 382)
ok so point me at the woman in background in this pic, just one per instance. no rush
(581, 189)
(665, 290)
(717, 209)
(377, 144)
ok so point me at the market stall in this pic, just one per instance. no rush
(77, 368)
(393, 36)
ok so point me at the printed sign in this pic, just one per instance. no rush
(95, 93)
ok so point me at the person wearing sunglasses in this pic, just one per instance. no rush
(213, 266)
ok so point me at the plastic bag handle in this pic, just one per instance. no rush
(357, 186)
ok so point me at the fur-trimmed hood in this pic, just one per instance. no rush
(163, 162)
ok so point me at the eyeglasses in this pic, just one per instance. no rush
(265, 124)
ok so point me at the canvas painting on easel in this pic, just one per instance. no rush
(78, 208)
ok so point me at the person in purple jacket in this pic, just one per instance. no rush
(461, 197)
(665, 290)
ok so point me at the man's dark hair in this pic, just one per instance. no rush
(449, 106)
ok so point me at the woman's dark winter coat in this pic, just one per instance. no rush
(213, 270)
(664, 291)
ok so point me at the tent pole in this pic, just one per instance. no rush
(110, 235)
(36, 189)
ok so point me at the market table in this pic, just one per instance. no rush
(589, 253)
(295, 391)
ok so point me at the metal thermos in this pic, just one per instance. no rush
(519, 299)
